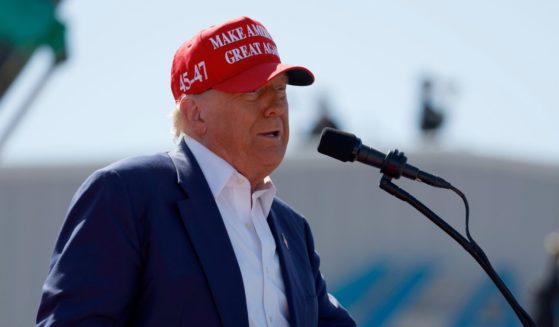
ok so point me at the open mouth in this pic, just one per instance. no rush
(271, 134)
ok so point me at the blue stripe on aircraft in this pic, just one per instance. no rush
(400, 296)
(356, 289)
(486, 306)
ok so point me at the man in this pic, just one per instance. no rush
(546, 306)
(196, 237)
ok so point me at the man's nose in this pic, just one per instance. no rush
(275, 102)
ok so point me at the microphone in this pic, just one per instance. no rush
(348, 147)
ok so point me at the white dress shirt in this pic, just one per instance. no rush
(244, 215)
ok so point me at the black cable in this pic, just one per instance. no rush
(480, 256)
(465, 200)
(468, 244)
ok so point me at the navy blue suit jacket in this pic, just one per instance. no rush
(144, 244)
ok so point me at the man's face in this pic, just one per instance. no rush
(249, 130)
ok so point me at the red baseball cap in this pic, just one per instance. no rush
(236, 56)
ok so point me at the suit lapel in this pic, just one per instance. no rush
(209, 237)
(288, 269)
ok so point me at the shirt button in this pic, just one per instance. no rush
(270, 318)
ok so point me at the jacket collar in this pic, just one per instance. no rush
(295, 287)
(209, 237)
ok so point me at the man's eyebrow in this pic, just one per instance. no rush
(283, 80)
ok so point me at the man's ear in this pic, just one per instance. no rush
(190, 108)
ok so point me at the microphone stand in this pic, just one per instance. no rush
(392, 168)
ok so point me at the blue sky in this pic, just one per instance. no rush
(496, 62)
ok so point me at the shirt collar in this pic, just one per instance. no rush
(265, 192)
(216, 170)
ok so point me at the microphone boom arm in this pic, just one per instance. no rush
(348, 147)
(469, 245)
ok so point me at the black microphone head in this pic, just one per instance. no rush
(337, 144)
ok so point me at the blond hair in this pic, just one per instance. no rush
(178, 121)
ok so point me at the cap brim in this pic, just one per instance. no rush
(259, 75)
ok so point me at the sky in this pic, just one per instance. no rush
(494, 64)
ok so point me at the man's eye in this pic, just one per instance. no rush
(255, 92)
(252, 95)
(281, 90)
